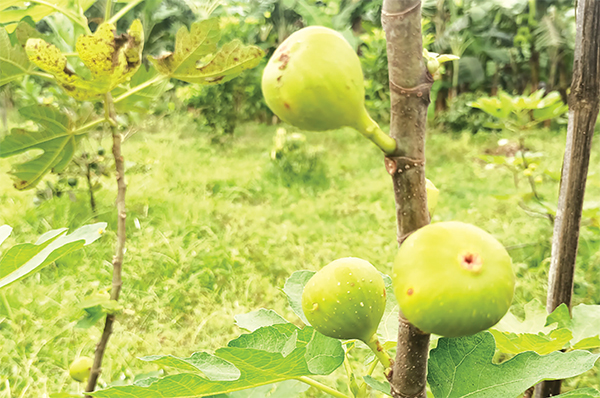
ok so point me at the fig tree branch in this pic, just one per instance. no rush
(410, 86)
(120, 246)
(584, 104)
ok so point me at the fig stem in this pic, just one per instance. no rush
(371, 130)
(322, 387)
(379, 351)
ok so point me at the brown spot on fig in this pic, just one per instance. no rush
(410, 291)
(284, 59)
(286, 105)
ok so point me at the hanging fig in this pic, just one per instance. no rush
(453, 279)
(314, 81)
(345, 299)
(80, 368)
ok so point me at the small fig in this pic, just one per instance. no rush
(345, 299)
(453, 279)
(101, 151)
(433, 65)
(72, 182)
(80, 368)
(314, 81)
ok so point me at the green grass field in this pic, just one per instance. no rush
(212, 233)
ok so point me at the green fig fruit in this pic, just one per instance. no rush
(453, 279)
(80, 368)
(345, 299)
(314, 81)
(432, 196)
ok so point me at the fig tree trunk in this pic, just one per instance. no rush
(410, 86)
(584, 103)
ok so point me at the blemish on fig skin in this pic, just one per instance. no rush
(286, 105)
(410, 292)
(284, 58)
(471, 261)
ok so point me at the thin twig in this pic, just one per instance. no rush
(120, 249)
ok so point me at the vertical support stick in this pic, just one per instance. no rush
(584, 104)
(410, 86)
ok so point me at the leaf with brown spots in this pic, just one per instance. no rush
(110, 59)
(197, 60)
(54, 138)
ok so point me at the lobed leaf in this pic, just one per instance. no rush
(545, 333)
(293, 288)
(196, 59)
(462, 367)
(110, 59)
(268, 355)
(258, 319)
(13, 60)
(21, 260)
(55, 139)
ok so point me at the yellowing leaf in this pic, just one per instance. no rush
(111, 60)
(196, 59)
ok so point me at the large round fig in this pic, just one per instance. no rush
(314, 81)
(345, 299)
(453, 279)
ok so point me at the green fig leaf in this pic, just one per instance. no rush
(5, 232)
(293, 288)
(585, 324)
(110, 59)
(285, 389)
(141, 100)
(55, 138)
(580, 332)
(91, 317)
(260, 358)
(462, 367)
(22, 8)
(258, 319)
(14, 63)
(534, 322)
(212, 367)
(23, 259)
(197, 60)
(512, 343)
(381, 386)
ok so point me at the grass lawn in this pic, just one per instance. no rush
(213, 233)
